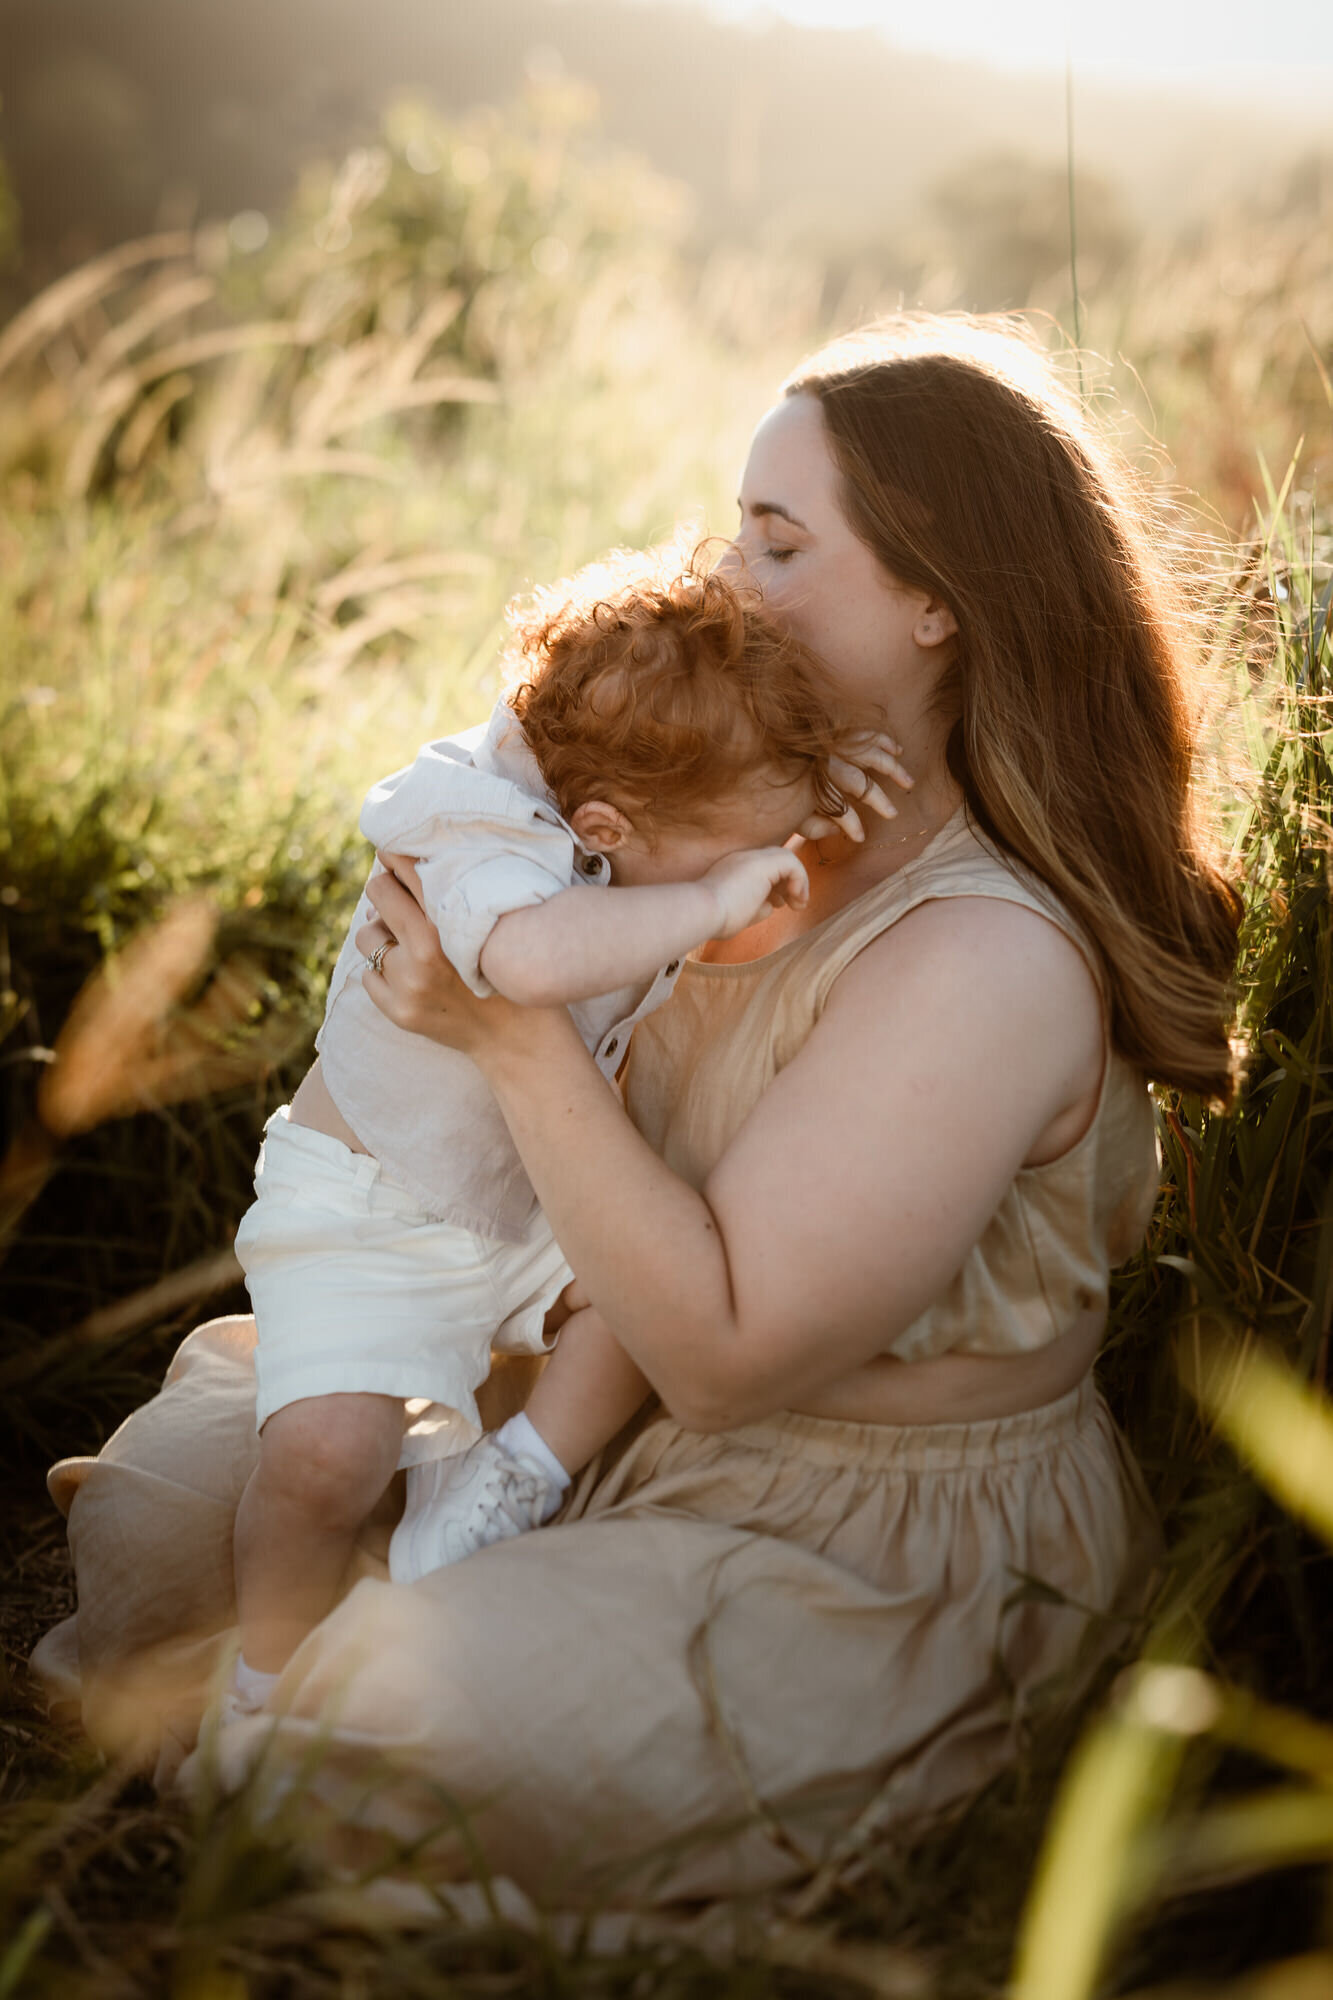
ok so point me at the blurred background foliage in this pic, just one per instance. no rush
(275, 451)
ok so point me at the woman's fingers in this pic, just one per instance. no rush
(407, 976)
(403, 868)
(848, 788)
(880, 753)
(855, 782)
(817, 827)
(398, 909)
(371, 936)
(863, 789)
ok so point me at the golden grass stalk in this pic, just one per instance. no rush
(1106, 1852)
(170, 301)
(394, 611)
(138, 434)
(118, 393)
(261, 470)
(1116, 1779)
(1309, 1977)
(150, 1306)
(434, 319)
(60, 303)
(1281, 1429)
(362, 579)
(26, 1168)
(127, 1046)
(112, 1056)
(427, 393)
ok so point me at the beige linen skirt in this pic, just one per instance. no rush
(690, 1685)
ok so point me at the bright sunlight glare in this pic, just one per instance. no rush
(1207, 46)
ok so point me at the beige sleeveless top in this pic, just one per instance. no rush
(698, 1067)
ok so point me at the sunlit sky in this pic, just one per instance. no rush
(1225, 47)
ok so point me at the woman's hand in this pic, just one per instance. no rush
(417, 988)
(852, 788)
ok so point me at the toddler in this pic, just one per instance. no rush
(627, 802)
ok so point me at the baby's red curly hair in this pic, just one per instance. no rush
(658, 685)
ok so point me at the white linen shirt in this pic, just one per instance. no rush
(474, 812)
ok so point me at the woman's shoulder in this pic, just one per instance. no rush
(960, 879)
(982, 958)
(982, 950)
(967, 862)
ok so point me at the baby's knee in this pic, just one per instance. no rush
(331, 1456)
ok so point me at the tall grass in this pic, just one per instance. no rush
(266, 499)
(467, 360)
(1236, 1294)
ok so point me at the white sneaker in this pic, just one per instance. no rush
(458, 1505)
(232, 1707)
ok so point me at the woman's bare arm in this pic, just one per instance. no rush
(826, 1229)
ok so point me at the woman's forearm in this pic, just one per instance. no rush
(800, 1263)
(648, 1250)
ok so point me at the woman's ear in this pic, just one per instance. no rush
(601, 827)
(935, 623)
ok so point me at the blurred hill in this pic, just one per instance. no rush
(118, 118)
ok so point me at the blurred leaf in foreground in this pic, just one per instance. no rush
(1281, 1429)
(128, 1046)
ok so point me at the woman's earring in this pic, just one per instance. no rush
(935, 626)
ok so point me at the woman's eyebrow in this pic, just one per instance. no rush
(775, 507)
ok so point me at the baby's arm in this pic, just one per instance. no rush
(588, 941)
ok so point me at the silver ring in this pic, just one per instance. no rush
(381, 951)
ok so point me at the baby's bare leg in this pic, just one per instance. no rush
(588, 1389)
(323, 1463)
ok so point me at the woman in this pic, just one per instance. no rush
(880, 1157)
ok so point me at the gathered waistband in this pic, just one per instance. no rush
(923, 1447)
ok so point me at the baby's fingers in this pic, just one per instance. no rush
(791, 885)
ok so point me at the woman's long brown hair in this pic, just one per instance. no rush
(971, 474)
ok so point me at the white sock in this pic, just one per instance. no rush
(252, 1686)
(521, 1439)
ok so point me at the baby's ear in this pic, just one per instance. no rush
(599, 826)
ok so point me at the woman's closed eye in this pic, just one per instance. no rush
(780, 555)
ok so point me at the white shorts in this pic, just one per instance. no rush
(355, 1290)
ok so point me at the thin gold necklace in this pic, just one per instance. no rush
(884, 840)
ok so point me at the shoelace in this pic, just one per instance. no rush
(512, 1496)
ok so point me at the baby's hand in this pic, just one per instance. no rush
(853, 788)
(752, 884)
